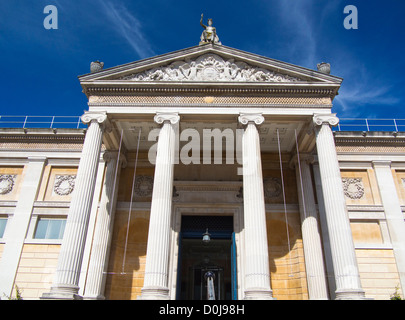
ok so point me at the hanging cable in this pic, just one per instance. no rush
(130, 205)
(285, 206)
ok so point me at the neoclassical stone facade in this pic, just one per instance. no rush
(208, 140)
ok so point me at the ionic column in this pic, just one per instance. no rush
(314, 262)
(157, 256)
(65, 285)
(393, 214)
(257, 271)
(347, 275)
(96, 276)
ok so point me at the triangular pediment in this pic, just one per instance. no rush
(210, 67)
(209, 64)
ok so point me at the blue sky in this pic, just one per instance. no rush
(39, 67)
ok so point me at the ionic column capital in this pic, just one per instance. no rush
(89, 116)
(160, 118)
(113, 155)
(256, 118)
(329, 119)
(99, 117)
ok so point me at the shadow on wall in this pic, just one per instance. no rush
(287, 266)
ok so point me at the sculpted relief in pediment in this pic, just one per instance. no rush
(210, 67)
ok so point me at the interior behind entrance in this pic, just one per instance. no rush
(197, 258)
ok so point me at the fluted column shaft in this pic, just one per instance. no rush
(257, 271)
(157, 255)
(68, 269)
(95, 283)
(347, 275)
(314, 263)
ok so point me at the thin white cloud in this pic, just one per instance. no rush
(356, 96)
(303, 22)
(296, 18)
(360, 89)
(128, 26)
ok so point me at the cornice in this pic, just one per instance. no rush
(42, 135)
(208, 88)
(369, 138)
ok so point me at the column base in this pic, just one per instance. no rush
(65, 292)
(154, 293)
(99, 297)
(351, 295)
(258, 294)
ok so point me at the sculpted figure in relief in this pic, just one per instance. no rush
(210, 67)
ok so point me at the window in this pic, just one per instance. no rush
(50, 228)
(3, 223)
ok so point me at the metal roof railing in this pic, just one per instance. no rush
(72, 122)
(364, 124)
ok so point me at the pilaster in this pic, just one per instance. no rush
(19, 223)
(393, 213)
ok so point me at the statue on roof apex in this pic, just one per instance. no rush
(209, 35)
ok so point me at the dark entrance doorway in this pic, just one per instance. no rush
(197, 258)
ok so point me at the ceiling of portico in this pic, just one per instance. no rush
(272, 134)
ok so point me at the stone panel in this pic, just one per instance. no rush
(57, 184)
(358, 188)
(399, 179)
(10, 180)
(366, 232)
(273, 186)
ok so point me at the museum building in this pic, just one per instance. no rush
(205, 173)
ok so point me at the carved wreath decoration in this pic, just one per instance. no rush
(353, 188)
(143, 186)
(7, 183)
(64, 184)
(272, 187)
